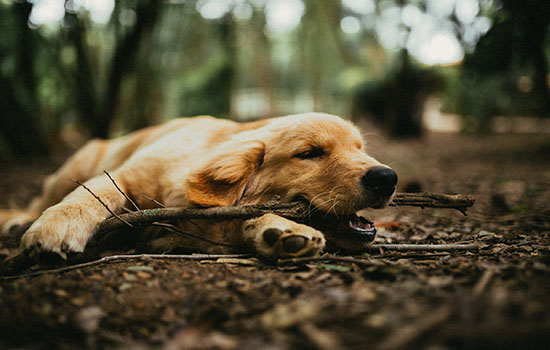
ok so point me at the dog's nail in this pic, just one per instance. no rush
(62, 254)
(293, 244)
(271, 235)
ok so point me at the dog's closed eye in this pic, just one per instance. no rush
(314, 152)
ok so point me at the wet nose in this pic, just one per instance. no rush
(380, 180)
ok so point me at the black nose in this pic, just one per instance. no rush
(380, 180)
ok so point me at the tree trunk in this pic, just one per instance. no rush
(405, 105)
(19, 105)
(147, 15)
(19, 125)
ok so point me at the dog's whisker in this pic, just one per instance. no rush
(334, 204)
(316, 207)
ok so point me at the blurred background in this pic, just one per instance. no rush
(75, 69)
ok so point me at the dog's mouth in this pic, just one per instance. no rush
(349, 232)
(362, 228)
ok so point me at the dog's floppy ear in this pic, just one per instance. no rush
(221, 180)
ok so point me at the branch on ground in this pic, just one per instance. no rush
(459, 202)
(294, 210)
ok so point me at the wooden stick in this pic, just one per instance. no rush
(394, 247)
(432, 247)
(121, 191)
(434, 200)
(115, 215)
(324, 258)
(122, 257)
(21, 262)
(293, 210)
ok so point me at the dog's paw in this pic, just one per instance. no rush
(9, 219)
(275, 236)
(60, 229)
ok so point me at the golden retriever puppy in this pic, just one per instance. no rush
(205, 162)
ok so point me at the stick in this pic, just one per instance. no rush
(459, 202)
(166, 226)
(293, 210)
(326, 257)
(483, 282)
(114, 258)
(404, 336)
(395, 247)
(121, 191)
(103, 203)
(432, 247)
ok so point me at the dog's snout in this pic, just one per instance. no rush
(381, 180)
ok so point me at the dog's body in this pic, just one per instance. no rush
(206, 162)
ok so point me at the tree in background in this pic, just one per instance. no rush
(396, 103)
(19, 107)
(44, 74)
(148, 60)
(98, 100)
(508, 73)
(423, 38)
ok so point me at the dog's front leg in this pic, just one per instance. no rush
(275, 236)
(68, 225)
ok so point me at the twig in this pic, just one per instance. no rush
(394, 247)
(325, 257)
(295, 210)
(459, 202)
(122, 257)
(432, 247)
(403, 337)
(103, 203)
(166, 226)
(483, 282)
(154, 201)
(121, 191)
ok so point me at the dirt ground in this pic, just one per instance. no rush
(497, 297)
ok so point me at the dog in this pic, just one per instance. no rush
(208, 162)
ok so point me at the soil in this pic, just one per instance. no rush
(496, 297)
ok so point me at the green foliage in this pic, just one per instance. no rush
(156, 59)
(206, 89)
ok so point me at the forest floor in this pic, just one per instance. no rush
(496, 297)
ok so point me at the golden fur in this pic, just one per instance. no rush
(204, 162)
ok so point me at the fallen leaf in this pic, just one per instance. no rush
(289, 314)
(236, 261)
(137, 268)
(195, 339)
(89, 317)
(78, 301)
(124, 286)
(331, 267)
(60, 293)
(95, 277)
(143, 275)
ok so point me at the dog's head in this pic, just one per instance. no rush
(316, 157)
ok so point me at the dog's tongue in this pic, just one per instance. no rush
(363, 227)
